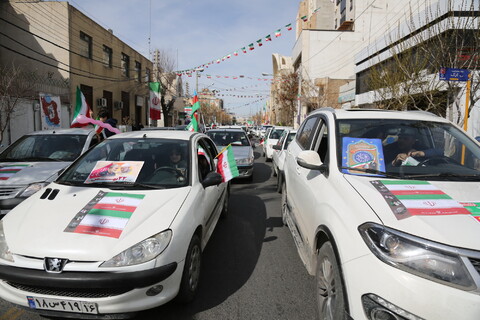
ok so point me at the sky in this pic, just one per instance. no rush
(195, 32)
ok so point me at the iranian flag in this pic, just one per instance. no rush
(304, 18)
(278, 33)
(423, 198)
(155, 97)
(259, 42)
(193, 125)
(226, 165)
(9, 170)
(289, 26)
(250, 46)
(268, 38)
(106, 215)
(81, 109)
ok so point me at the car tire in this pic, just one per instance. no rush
(191, 271)
(279, 182)
(330, 293)
(224, 213)
(284, 203)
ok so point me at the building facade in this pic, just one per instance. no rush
(58, 48)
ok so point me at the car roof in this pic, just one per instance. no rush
(380, 114)
(164, 134)
(226, 130)
(77, 131)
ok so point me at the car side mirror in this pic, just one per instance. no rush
(212, 179)
(311, 160)
(277, 147)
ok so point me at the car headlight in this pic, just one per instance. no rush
(31, 189)
(5, 253)
(418, 256)
(244, 161)
(143, 251)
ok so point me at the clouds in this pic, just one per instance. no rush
(202, 31)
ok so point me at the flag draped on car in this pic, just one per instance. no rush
(226, 165)
(193, 125)
(81, 109)
(155, 99)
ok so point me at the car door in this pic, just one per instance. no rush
(313, 188)
(296, 176)
(211, 196)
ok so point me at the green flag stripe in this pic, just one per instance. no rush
(111, 213)
(473, 210)
(126, 195)
(10, 171)
(423, 196)
(404, 182)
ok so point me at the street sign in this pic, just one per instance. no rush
(451, 74)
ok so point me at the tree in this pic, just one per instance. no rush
(164, 65)
(409, 80)
(13, 87)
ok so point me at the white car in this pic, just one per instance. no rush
(279, 155)
(36, 159)
(384, 208)
(271, 139)
(121, 230)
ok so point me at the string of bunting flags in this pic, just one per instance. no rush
(244, 49)
(209, 76)
(247, 104)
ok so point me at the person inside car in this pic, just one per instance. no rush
(407, 146)
(176, 160)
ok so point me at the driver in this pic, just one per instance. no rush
(175, 159)
(406, 146)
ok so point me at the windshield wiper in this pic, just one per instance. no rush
(41, 159)
(129, 185)
(372, 171)
(455, 176)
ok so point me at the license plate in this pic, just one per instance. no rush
(62, 305)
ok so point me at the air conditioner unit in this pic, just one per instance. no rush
(118, 105)
(102, 102)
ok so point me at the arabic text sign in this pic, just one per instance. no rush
(451, 74)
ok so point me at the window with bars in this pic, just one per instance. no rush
(85, 45)
(107, 56)
(138, 71)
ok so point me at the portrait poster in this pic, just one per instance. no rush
(111, 171)
(50, 110)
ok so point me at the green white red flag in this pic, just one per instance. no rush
(155, 101)
(193, 125)
(81, 109)
(227, 166)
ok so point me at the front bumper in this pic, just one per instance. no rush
(421, 297)
(113, 293)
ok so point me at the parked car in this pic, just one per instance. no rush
(271, 139)
(241, 145)
(279, 154)
(384, 209)
(36, 159)
(121, 230)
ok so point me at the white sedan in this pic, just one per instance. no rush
(279, 154)
(121, 230)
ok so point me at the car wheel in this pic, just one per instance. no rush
(284, 203)
(224, 213)
(330, 291)
(191, 271)
(279, 183)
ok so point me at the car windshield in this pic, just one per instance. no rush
(224, 138)
(276, 133)
(407, 149)
(48, 147)
(132, 164)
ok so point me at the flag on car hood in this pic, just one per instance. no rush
(226, 165)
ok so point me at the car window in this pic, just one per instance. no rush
(206, 154)
(306, 132)
(289, 139)
(321, 144)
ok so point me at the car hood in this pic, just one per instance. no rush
(43, 228)
(460, 229)
(22, 173)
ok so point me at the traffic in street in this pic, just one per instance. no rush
(250, 267)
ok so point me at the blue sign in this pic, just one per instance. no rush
(451, 74)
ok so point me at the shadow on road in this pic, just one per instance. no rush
(228, 260)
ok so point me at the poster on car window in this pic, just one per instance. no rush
(408, 198)
(361, 153)
(50, 107)
(107, 214)
(111, 171)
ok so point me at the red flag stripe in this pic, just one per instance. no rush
(114, 233)
(437, 212)
(412, 192)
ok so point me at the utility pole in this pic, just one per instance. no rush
(299, 97)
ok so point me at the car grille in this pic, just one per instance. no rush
(74, 292)
(6, 193)
(476, 264)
